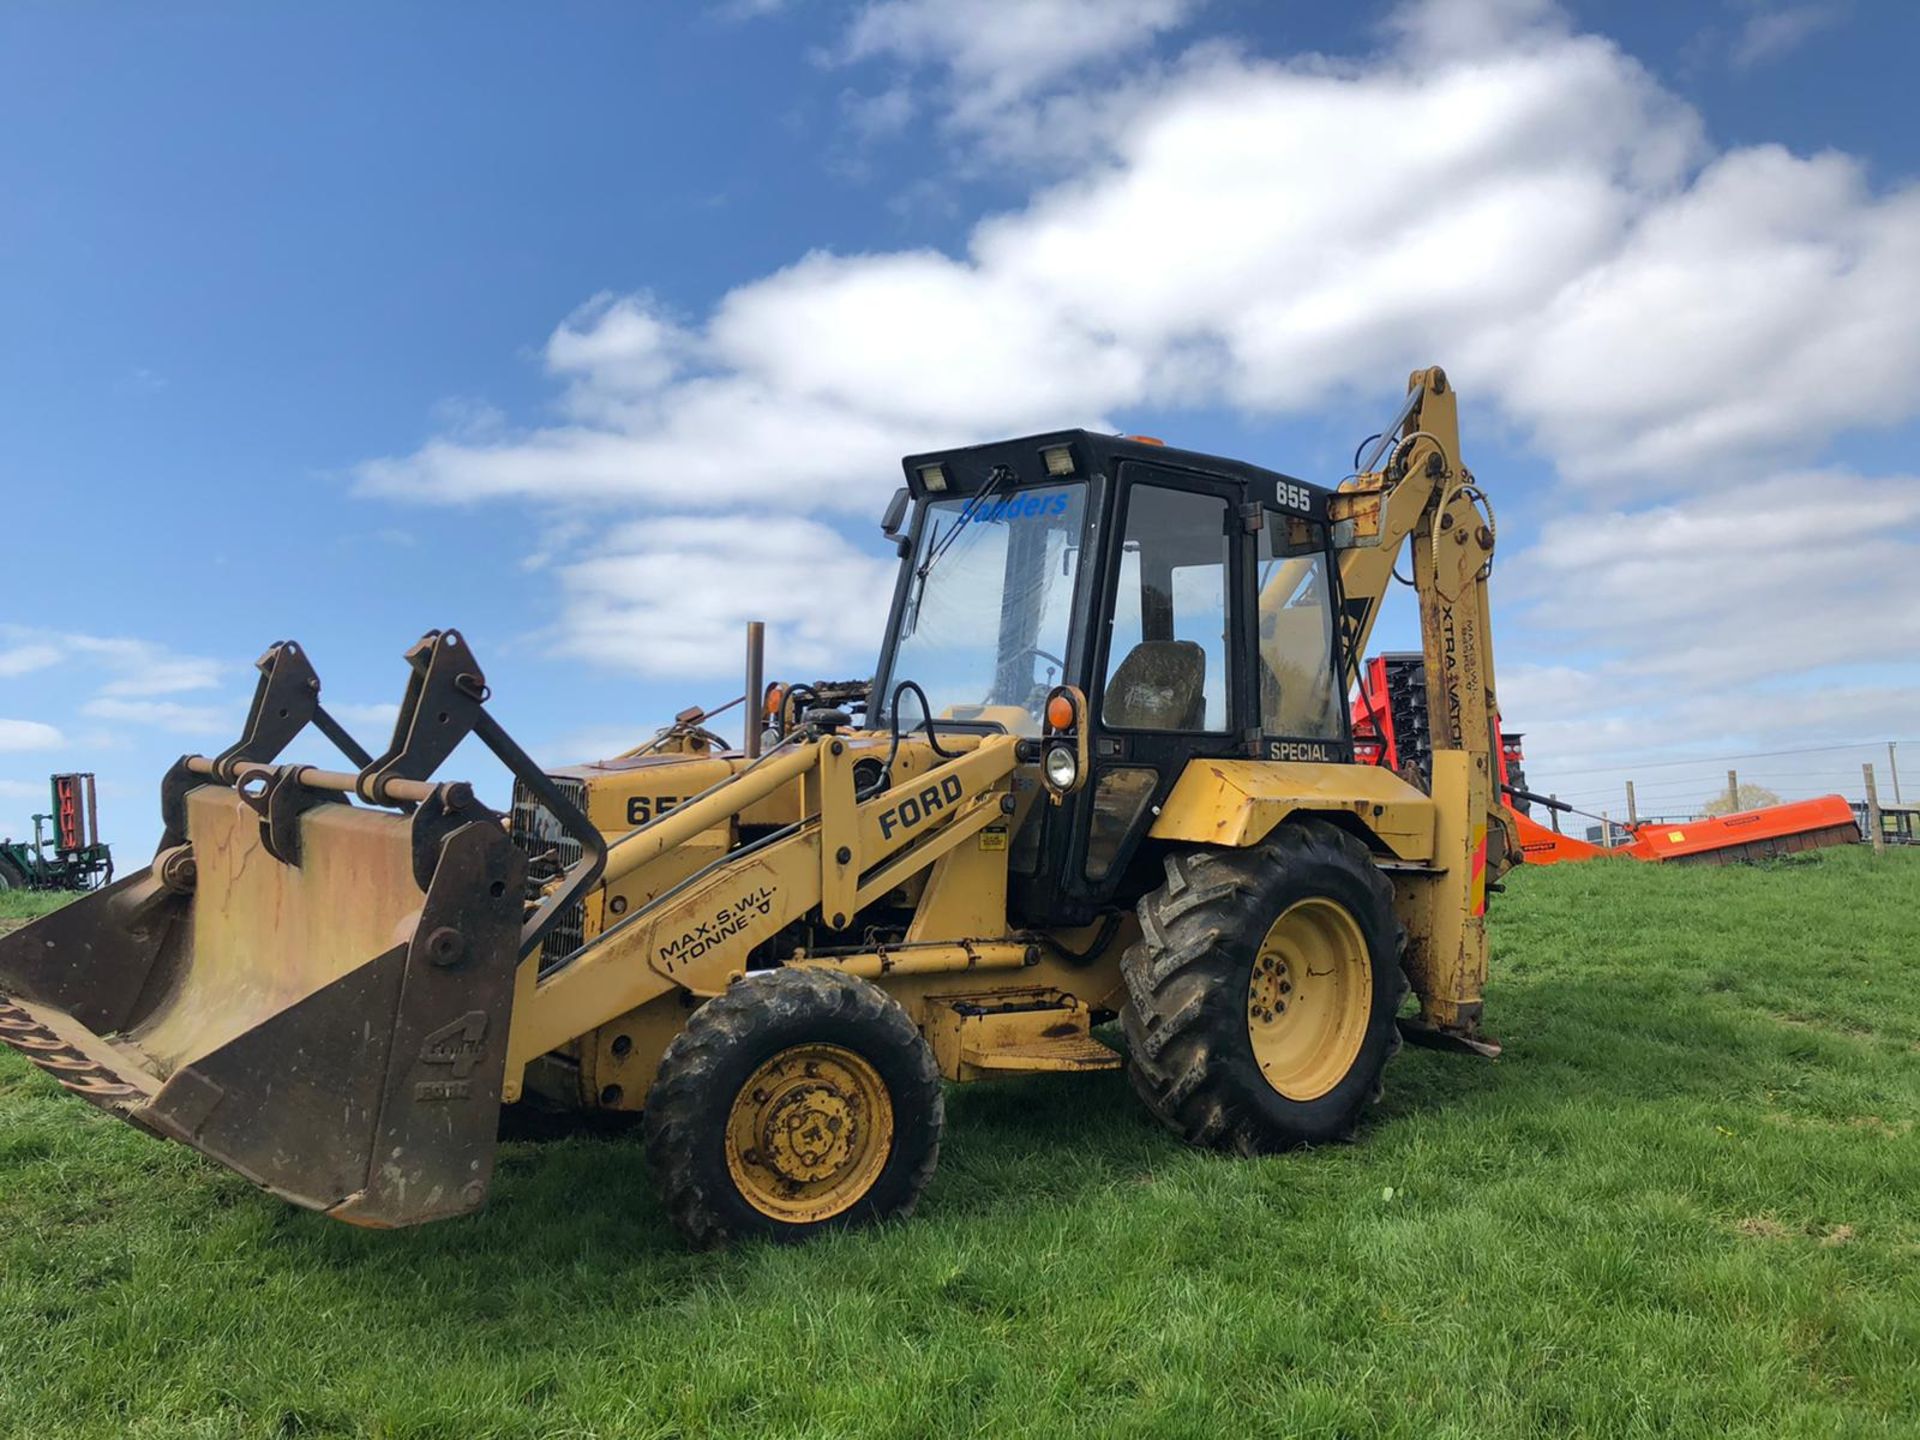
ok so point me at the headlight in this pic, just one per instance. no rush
(1062, 768)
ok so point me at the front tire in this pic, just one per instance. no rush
(1263, 991)
(798, 1101)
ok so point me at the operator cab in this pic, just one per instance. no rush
(1193, 600)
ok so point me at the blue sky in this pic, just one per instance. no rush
(591, 329)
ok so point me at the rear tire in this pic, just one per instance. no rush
(1517, 778)
(1263, 991)
(11, 876)
(798, 1101)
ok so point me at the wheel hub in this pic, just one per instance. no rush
(1309, 998)
(809, 1133)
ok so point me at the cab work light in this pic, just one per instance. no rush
(1059, 459)
(934, 477)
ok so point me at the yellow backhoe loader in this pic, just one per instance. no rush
(1103, 770)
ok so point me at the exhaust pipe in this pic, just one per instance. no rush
(756, 706)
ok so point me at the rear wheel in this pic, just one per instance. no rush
(12, 877)
(1517, 780)
(798, 1101)
(1263, 991)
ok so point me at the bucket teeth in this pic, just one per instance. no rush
(74, 1070)
(101, 1090)
(42, 1043)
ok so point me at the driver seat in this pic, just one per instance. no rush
(1160, 685)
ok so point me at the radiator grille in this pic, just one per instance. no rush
(550, 850)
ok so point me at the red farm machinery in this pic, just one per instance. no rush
(1390, 728)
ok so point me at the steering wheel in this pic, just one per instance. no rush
(1059, 664)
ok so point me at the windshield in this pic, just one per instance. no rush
(984, 631)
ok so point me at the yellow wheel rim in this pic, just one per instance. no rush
(1309, 998)
(809, 1133)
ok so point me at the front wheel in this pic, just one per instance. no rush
(1263, 991)
(800, 1100)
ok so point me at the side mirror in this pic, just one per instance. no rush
(896, 514)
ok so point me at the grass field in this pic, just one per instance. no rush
(1686, 1201)
(19, 906)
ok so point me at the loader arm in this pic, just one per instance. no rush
(697, 933)
(334, 998)
(1423, 499)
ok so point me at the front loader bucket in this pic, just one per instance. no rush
(312, 992)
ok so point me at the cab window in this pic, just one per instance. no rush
(1299, 696)
(1168, 651)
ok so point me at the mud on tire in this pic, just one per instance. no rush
(730, 1041)
(1191, 1055)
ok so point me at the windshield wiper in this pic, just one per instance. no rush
(938, 545)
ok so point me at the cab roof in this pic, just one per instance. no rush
(968, 467)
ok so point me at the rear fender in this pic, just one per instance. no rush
(1238, 803)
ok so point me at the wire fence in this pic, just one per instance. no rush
(1682, 787)
(1675, 790)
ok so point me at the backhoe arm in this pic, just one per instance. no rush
(1422, 496)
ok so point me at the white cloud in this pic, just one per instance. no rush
(612, 349)
(20, 660)
(671, 596)
(1717, 624)
(378, 712)
(1769, 34)
(1457, 29)
(880, 116)
(1272, 234)
(166, 674)
(1490, 189)
(999, 51)
(29, 735)
(1769, 306)
(168, 715)
(1787, 574)
(130, 667)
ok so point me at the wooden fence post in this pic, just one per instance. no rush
(1875, 831)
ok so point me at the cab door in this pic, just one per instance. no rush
(1167, 669)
